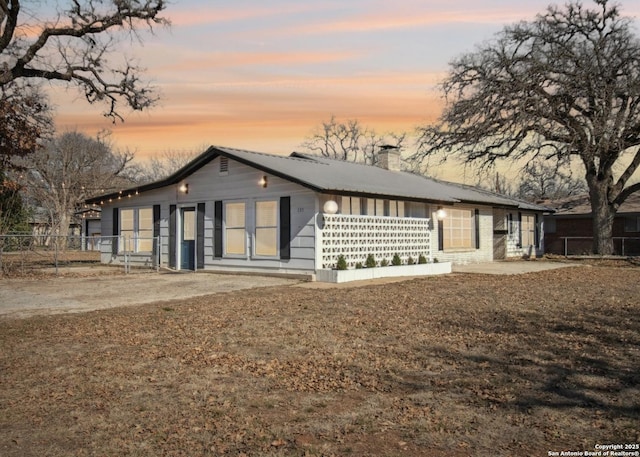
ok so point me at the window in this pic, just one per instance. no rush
(632, 224)
(350, 205)
(355, 205)
(136, 229)
(396, 208)
(345, 205)
(266, 228)
(511, 225)
(528, 227)
(458, 229)
(235, 240)
(371, 206)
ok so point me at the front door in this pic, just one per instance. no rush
(188, 239)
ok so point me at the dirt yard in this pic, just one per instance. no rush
(458, 365)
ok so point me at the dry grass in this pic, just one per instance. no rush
(456, 365)
(37, 261)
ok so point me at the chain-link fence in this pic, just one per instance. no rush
(583, 245)
(25, 254)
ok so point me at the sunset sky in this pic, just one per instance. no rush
(261, 75)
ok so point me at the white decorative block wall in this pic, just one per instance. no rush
(355, 237)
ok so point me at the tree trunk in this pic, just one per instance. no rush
(62, 230)
(603, 215)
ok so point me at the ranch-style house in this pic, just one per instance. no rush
(240, 211)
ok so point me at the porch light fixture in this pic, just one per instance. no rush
(441, 213)
(330, 207)
(184, 188)
(263, 181)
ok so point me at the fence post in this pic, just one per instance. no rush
(126, 259)
(158, 254)
(55, 255)
(565, 246)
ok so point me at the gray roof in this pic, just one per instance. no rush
(338, 177)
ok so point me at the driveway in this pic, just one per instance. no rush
(58, 295)
(65, 294)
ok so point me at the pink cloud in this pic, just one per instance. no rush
(258, 119)
(212, 15)
(220, 60)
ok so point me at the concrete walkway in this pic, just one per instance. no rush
(511, 267)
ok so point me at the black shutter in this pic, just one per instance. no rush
(285, 228)
(519, 229)
(476, 221)
(440, 235)
(217, 229)
(536, 234)
(200, 237)
(172, 236)
(156, 232)
(116, 231)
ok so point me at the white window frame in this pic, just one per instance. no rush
(138, 238)
(275, 227)
(227, 228)
(454, 224)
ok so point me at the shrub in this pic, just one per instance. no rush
(435, 260)
(342, 263)
(384, 263)
(359, 266)
(371, 261)
(422, 259)
(410, 261)
(396, 260)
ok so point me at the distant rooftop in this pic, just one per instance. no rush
(581, 205)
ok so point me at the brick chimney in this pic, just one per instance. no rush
(389, 158)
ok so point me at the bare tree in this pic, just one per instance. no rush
(77, 45)
(349, 141)
(549, 181)
(164, 164)
(497, 183)
(562, 86)
(69, 169)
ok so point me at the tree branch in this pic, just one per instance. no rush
(81, 56)
(9, 17)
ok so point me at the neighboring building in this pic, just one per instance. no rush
(90, 228)
(41, 227)
(237, 210)
(569, 230)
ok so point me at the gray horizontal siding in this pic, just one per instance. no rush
(241, 183)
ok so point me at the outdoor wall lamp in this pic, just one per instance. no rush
(184, 188)
(330, 207)
(263, 181)
(441, 213)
